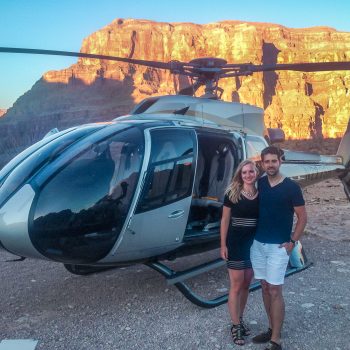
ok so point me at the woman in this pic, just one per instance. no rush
(238, 224)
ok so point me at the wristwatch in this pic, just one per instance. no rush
(292, 240)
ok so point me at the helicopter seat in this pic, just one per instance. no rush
(163, 170)
(198, 213)
(126, 172)
(220, 175)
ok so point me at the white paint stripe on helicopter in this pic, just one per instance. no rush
(18, 344)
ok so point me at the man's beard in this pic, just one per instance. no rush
(272, 171)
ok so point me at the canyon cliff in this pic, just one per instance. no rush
(304, 104)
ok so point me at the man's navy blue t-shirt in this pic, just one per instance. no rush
(276, 210)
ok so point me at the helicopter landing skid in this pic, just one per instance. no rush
(178, 278)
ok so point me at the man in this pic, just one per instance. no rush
(279, 199)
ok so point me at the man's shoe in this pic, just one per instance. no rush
(263, 337)
(273, 346)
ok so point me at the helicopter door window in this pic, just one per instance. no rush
(178, 186)
(170, 174)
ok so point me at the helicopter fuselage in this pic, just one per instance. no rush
(143, 187)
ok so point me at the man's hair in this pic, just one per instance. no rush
(271, 150)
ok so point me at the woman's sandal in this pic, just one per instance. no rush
(246, 329)
(237, 334)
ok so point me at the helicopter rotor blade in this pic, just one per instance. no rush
(310, 67)
(247, 69)
(203, 70)
(172, 65)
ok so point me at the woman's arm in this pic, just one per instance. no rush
(225, 221)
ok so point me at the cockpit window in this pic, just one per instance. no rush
(170, 174)
(40, 155)
(255, 145)
(27, 152)
(82, 209)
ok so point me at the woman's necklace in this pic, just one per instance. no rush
(248, 194)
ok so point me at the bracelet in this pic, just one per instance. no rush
(293, 241)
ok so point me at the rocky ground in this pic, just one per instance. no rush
(134, 308)
(323, 146)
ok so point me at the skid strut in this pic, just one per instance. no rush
(177, 278)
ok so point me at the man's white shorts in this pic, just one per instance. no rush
(269, 262)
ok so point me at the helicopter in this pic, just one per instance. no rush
(148, 186)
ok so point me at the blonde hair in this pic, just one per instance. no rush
(234, 189)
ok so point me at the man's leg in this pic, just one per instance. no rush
(267, 300)
(265, 336)
(277, 310)
(276, 268)
(258, 256)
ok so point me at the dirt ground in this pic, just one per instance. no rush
(134, 308)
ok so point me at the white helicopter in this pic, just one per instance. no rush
(147, 186)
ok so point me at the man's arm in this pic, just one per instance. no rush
(301, 222)
(299, 227)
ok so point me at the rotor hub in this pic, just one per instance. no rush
(209, 62)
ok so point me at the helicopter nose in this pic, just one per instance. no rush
(14, 215)
(80, 237)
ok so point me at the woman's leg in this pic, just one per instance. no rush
(236, 284)
(248, 276)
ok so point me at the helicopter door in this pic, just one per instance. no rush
(162, 210)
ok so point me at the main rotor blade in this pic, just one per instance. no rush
(303, 67)
(153, 64)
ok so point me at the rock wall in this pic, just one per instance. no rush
(304, 104)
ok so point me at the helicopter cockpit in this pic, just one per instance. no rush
(74, 204)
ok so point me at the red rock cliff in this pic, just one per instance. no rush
(303, 104)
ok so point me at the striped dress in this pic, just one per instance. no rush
(244, 215)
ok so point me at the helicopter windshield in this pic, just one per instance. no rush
(255, 145)
(80, 212)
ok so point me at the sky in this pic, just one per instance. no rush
(63, 24)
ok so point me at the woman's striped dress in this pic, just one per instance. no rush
(244, 216)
